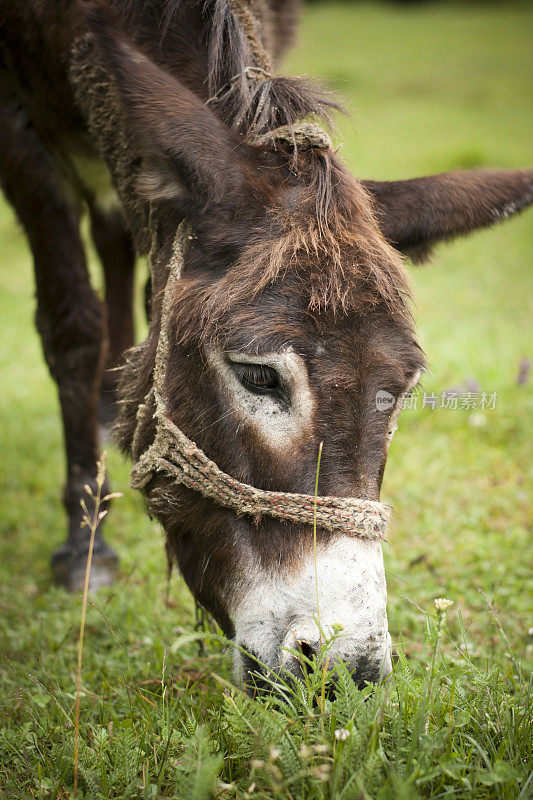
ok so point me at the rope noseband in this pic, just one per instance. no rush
(175, 455)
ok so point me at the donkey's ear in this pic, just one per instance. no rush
(416, 214)
(189, 152)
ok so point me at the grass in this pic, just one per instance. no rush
(433, 87)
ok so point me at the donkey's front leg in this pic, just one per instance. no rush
(71, 321)
(117, 254)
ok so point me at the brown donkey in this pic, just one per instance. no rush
(276, 315)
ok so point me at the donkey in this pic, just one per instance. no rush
(289, 312)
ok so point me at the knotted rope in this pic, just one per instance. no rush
(174, 454)
(300, 136)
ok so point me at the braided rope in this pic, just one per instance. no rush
(174, 454)
(248, 17)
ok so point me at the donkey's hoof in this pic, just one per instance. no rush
(68, 568)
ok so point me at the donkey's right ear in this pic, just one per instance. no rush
(190, 154)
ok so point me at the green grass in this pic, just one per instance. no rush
(432, 87)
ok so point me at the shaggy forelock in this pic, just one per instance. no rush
(326, 251)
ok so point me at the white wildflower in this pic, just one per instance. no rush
(274, 753)
(341, 734)
(305, 752)
(322, 772)
(442, 604)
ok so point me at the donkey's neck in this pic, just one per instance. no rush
(97, 97)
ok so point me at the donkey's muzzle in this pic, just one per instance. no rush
(308, 651)
(309, 647)
(309, 661)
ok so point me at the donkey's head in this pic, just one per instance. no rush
(289, 320)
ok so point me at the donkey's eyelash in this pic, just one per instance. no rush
(259, 378)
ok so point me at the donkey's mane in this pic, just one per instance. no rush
(249, 106)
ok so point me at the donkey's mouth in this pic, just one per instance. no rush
(259, 679)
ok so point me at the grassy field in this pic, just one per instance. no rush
(431, 88)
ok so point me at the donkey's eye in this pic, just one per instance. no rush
(259, 378)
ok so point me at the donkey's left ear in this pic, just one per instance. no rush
(190, 154)
(415, 214)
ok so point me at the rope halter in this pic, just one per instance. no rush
(175, 455)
